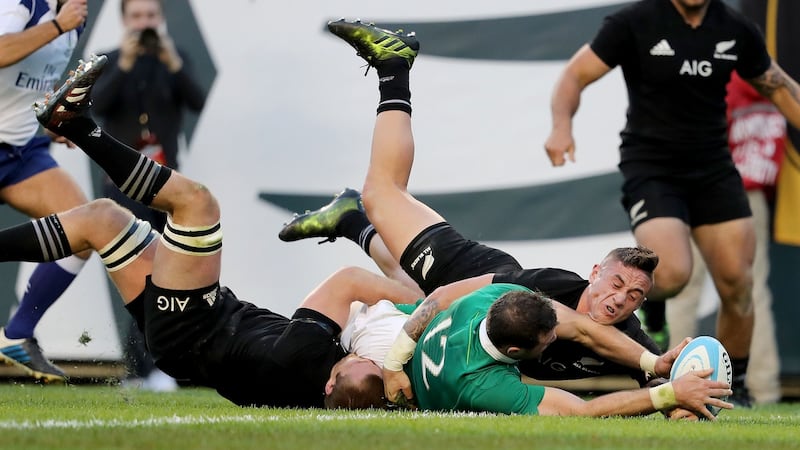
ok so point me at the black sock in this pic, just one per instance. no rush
(356, 226)
(136, 175)
(654, 315)
(40, 240)
(394, 86)
(739, 367)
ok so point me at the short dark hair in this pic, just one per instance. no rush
(124, 3)
(638, 257)
(352, 394)
(519, 318)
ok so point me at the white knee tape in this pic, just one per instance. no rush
(127, 245)
(196, 241)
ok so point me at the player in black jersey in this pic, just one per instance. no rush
(680, 182)
(194, 328)
(414, 243)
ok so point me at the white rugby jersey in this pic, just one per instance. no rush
(23, 83)
(371, 330)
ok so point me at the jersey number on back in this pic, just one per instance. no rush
(427, 363)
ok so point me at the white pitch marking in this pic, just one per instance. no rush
(202, 420)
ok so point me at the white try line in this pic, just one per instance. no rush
(118, 423)
(153, 422)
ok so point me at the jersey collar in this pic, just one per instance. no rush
(487, 345)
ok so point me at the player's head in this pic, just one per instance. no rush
(141, 14)
(619, 284)
(355, 383)
(521, 324)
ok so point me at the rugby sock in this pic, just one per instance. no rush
(393, 86)
(655, 315)
(739, 367)
(355, 226)
(137, 176)
(39, 240)
(45, 286)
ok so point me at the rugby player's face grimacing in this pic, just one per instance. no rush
(615, 291)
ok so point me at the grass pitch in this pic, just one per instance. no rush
(108, 417)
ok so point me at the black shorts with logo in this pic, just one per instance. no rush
(440, 255)
(700, 196)
(250, 355)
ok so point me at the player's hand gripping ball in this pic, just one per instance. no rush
(704, 352)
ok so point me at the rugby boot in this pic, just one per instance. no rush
(73, 98)
(26, 355)
(322, 222)
(741, 394)
(376, 45)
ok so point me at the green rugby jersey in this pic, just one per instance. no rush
(455, 367)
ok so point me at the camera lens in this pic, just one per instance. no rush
(149, 40)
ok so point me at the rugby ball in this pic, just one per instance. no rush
(704, 352)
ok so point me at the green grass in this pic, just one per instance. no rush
(104, 417)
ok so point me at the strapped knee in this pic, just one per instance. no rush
(198, 241)
(127, 245)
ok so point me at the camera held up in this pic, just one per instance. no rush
(149, 40)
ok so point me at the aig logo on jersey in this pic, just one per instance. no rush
(696, 68)
(171, 304)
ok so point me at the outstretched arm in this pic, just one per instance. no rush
(611, 343)
(782, 90)
(691, 391)
(584, 68)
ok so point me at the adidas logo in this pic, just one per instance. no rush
(96, 132)
(662, 49)
(77, 94)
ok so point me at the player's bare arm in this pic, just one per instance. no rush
(439, 300)
(611, 343)
(782, 90)
(583, 69)
(17, 46)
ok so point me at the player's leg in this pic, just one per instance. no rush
(669, 238)
(124, 244)
(398, 217)
(38, 187)
(659, 219)
(728, 249)
(182, 299)
(724, 231)
(681, 310)
(189, 252)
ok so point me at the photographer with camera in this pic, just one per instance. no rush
(142, 95)
(140, 99)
